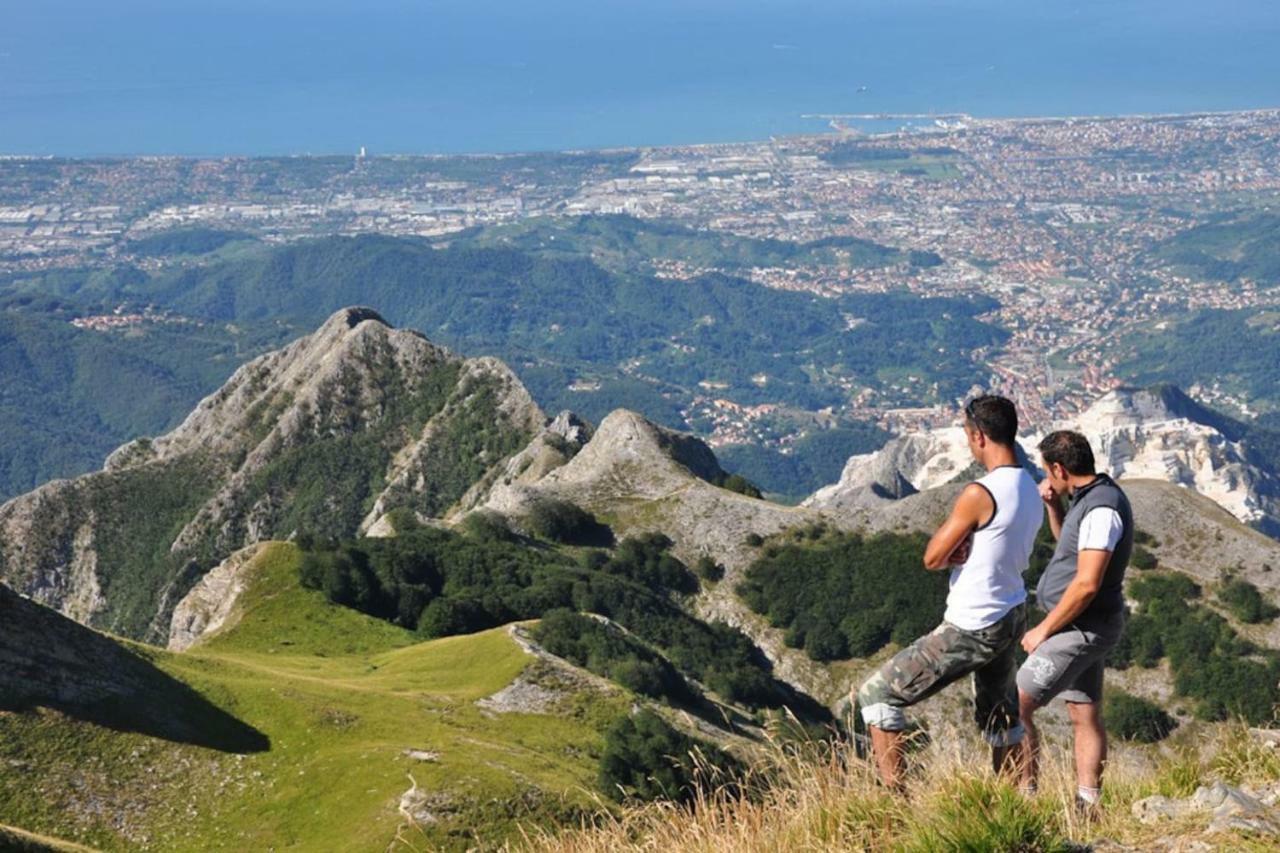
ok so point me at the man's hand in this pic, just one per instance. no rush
(1033, 638)
(973, 508)
(1047, 492)
(962, 552)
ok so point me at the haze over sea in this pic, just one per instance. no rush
(84, 77)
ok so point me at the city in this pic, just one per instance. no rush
(1059, 220)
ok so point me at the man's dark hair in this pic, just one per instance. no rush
(995, 417)
(1069, 449)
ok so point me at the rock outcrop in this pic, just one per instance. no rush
(210, 606)
(1222, 807)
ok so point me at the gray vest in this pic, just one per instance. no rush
(1109, 602)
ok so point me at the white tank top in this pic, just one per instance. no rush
(989, 584)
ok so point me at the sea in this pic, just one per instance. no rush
(273, 77)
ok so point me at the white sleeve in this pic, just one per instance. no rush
(1100, 530)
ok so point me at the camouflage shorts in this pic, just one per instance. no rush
(946, 655)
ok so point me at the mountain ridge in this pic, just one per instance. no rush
(306, 436)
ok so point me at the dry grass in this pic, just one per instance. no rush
(820, 797)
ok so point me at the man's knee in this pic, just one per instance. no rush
(1027, 707)
(879, 706)
(1085, 714)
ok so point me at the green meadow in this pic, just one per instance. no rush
(338, 699)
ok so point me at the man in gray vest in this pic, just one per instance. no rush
(1083, 591)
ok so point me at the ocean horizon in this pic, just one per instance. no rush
(278, 78)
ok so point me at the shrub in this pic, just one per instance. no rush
(645, 559)
(1246, 603)
(487, 526)
(1224, 674)
(741, 485)
(565, 522)
(843, 594)
(608, 652)
(1134, 718)
(646, 759)
(708, 569)
(1142, 559)
(753, 540)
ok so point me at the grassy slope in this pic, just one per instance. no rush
(340, 696)
(823, 799)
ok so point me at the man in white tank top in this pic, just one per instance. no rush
(986, 544)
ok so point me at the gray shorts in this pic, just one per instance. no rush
(1069, 664)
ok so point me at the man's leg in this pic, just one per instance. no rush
(1084, 706)
(996, 711)
(1029, 759)
(1068, 664)
(891, 756)
(1090, 743)
(995, 693)
(912, 675)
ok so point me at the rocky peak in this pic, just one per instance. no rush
(627, 441)
(335, 377)
(355, 316)
(309, 437)
(628, 457)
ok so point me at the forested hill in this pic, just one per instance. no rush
(1230, 249)
(582, 329)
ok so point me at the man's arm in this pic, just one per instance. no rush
(972, 509)
(1090, 567)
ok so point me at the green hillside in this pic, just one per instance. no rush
(619, 242)
(339, 698)
(1230, 249)
(532, 309)
(572, 305)
(1235, 350)
(71, 396)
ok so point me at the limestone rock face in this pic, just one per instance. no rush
(627, 456)
(905, 465)
(353, 416)
(1155, 434)
(1143, 434)
(210, 605)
